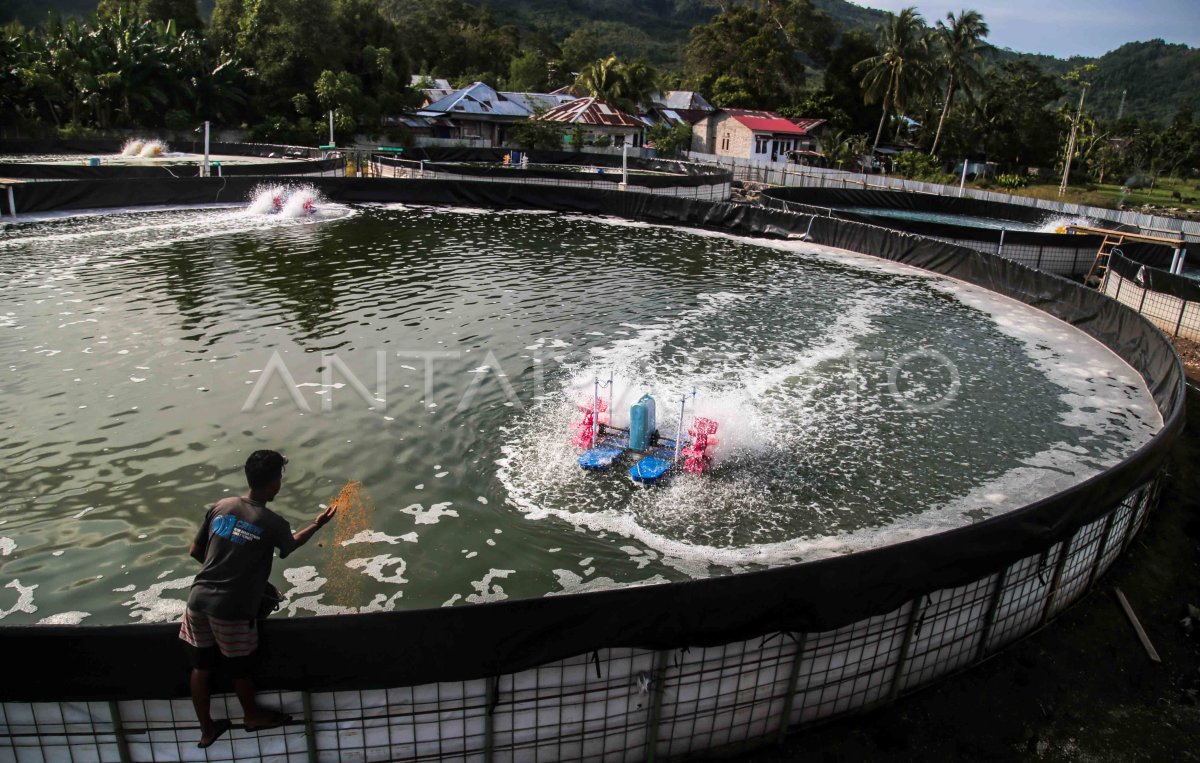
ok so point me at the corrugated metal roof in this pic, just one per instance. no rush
(591, 111)
(686, 100)
(476, 99)
(415, 122)
(769, 121)
(658, 115)
(808, 124)
(542, 101)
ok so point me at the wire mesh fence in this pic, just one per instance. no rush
(1071, 258)
(613, 704)
(1177, 315)
(786, 174)
(720, 189)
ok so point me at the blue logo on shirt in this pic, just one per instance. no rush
(235, 530)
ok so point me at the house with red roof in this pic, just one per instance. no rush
(751, 134)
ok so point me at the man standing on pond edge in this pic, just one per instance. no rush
(235, 546)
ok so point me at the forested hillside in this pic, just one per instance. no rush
(1158, 78)
(276, 68)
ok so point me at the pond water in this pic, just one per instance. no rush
(440, 355)
(1052, 223)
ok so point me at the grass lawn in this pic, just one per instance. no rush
(1110, 196)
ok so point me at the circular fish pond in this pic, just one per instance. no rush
(446, 358)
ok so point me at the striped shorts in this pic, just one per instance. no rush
(234, 638)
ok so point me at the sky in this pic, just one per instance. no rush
(1067, 28)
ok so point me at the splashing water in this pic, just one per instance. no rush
(145, 149)
(285, 201)
(1059, 223)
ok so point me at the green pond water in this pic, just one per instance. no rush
(439, 356)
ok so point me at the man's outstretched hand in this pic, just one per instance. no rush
(326, 515)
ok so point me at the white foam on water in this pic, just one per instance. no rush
(1098, 383)
(151, 606)
(1104, 395)
(430, 516)
(24, 602)
(372, 536)
(486, 590)
(303, 596)
(382, 602)
(65, 618)
(376, 566)
(571, 582)
(7, 546)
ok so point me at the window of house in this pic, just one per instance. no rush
(761, 143)
(618, 140)
(725, 142)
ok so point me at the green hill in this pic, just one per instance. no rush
(1156, 77)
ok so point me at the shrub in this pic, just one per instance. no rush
(536, 134)
(919, 166)
(1011, 181)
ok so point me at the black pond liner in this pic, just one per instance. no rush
(389, 649)
(489, 163)
(832, 201)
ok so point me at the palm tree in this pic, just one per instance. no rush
(840, 147)
(891, 75)
(600, 79)
(958, 56)
(625, 86)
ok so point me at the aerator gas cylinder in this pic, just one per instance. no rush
(641, 423)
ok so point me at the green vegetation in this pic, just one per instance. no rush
(669, 141)
(1168, 193)
(277, 67)
(897, 72)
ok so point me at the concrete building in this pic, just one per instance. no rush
(749, 134)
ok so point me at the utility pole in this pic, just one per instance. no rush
(205, 170)
(1062, 188)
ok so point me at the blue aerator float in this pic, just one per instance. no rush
(653, 455)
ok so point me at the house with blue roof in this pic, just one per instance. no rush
(480, 115)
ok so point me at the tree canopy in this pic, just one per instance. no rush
(275, 67)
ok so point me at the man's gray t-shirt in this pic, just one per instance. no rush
(238, 539)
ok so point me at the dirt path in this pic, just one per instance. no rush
(1190, 352)
(1082, 689)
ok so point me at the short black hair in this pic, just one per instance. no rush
(264, 467)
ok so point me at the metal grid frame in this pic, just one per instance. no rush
(785, 174)
(718, 190)
(1175, 316)
(614, 704)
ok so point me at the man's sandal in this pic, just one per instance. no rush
(279, 720)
